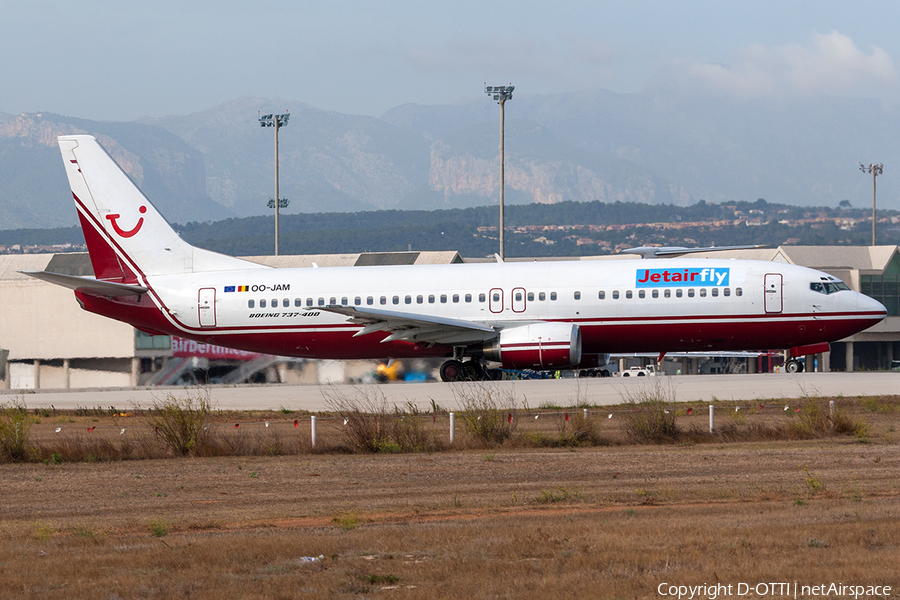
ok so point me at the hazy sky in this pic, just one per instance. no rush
(115, 60)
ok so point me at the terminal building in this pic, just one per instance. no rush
(47, 341)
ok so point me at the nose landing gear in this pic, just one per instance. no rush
(793, 366)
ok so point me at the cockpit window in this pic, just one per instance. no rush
(828, 287)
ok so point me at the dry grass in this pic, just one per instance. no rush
(91, 435)
(608, 522)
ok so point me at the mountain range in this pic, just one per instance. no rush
(656, 146)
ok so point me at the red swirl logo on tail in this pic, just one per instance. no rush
(131, 232)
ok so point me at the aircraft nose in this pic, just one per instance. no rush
(870, 305)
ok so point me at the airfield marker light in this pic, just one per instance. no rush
(501, 94)
(312, 430)
(296, 423)
(875, 170)
(712, 418)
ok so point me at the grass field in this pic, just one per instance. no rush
(508, 520)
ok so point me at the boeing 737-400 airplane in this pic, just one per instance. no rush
(540, 315)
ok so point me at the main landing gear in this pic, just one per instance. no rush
(456, 370)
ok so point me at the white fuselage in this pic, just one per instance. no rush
(621, 306)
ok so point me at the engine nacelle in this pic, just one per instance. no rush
(593, 361)
(538, 346)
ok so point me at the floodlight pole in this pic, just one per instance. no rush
(501, 94)
(875, 170)
(276, 121)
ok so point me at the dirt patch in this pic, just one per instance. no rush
(613, 521)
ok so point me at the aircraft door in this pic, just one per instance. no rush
(518, 300)
(206, 305)
(773, 293)
(495, 300)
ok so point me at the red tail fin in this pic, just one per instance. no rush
(104, 261)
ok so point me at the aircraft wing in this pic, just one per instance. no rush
(88, 284)
(414, 327)
(658, 252)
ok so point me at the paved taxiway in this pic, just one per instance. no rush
(562, 392)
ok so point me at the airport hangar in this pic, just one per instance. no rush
(48, 342)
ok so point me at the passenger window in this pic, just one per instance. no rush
(408, 300)
(468, 297)
(679, 292)
(726, 292)
(628, 294)
(431, 299)
(344, 301)
(309, 301)
(250, 303)
(738, 292)
(298, 302)
(482, 297)
(455, 297)
(542, 296)
(262, 303)
(321, 301)
(578, 295)
(357, 301)
(615, 294)
(641, 294)
(419, 299)
(443, 298)
(396, 299)
(495, 297)
(703, 292)
(602, 295)
(667, 293)
(286, 303)
(553, 296)
(690, 292)
(383, 300)
(655, 293)
(715, 292)
(370, 300)
(518, 296)
(531, 296)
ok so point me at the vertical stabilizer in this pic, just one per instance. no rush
(126, 236)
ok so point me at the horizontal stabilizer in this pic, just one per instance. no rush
(88, 284)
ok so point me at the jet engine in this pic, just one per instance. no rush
(539, 346)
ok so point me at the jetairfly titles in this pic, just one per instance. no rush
(647, 278)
